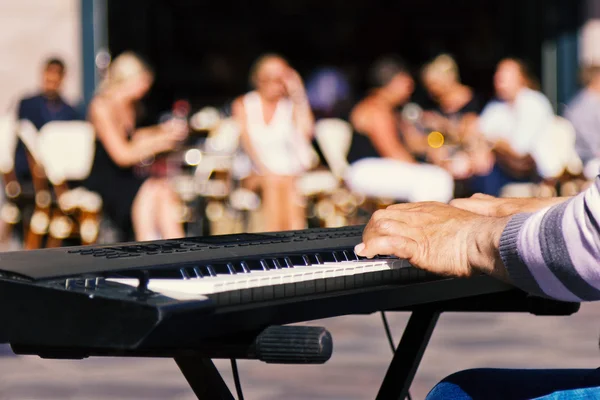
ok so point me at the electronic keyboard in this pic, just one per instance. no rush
(226, 296)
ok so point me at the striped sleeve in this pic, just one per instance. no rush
(556, 252)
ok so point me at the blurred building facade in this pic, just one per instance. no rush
(30, 31)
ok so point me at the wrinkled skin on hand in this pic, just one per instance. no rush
(436, 237)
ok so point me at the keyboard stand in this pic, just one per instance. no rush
(423, 319)
(408, 355)
(204, 378)
(207, 383)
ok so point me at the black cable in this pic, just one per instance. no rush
(236, 379)
(388, 333)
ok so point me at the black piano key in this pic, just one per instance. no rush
(237, 267)
(244, 266)
(318, 259)
(350, 255)
(276, 264)
(255, 265)
(211, 270)
(298, 260)
(265, 265)
(288, 262)
(184, 273)
(198, 272)
(231, 268)
(218, 269)
(205, 271)
(328, 256)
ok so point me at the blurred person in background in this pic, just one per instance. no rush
(584, 113)
(454, 100)
(276, 125)
(380, 156)
(149, 207)
(455, 116)
(46, 106)
(514, 126)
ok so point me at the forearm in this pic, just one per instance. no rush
(303, 116)
(554, 252)
(146, 132)
(141, 147)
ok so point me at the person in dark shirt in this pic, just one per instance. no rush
(454, 114)
(42, 108)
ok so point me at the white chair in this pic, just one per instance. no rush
(558, 140)
(334, 137)
(65, 150)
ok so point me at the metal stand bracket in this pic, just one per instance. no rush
(408, 355)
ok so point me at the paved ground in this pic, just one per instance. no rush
(355, 371)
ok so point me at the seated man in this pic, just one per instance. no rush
(42, 108)
(546, 247)
(380, 151)
(514, 125)
(584, 113)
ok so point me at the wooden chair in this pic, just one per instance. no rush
(66, 153)
(10, 212)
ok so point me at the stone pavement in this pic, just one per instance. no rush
(361, 355)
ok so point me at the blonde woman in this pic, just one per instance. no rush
(455, 115)
(149, 206)
(276, 127)
(456, 103)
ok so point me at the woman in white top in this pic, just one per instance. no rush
(276, 128)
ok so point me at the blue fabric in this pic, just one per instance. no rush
(492, 384)
(493, 182)
(40, 110)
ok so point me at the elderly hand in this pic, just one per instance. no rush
(501, 207)
(436, 237)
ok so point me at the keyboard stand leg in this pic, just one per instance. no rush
(204, 378)
(408, 355)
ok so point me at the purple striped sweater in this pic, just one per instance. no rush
(555, 252)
